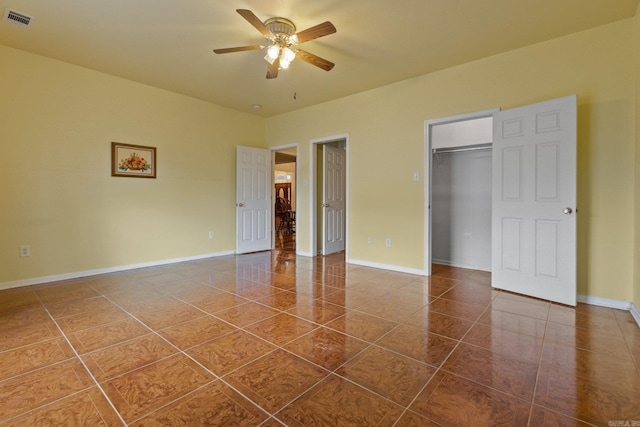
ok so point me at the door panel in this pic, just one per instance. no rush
(534, 167)
(253, 199)
(333, 199)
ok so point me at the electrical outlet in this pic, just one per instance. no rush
(25, 250)
(387, 242)
(212, 234)
(369, 240)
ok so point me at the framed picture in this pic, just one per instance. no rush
(133, 160)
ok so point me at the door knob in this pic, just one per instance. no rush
(567, 211)
(326, 205)
(240, 205)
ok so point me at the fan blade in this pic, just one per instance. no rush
(238, 49)
(319, 30)
(272, 71)
(256, 22)
(314, 60)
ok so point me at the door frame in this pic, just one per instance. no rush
(273, 190)
(428, 125)
(313, 205)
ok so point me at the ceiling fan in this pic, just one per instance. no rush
(282, 36)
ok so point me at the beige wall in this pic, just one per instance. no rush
(58, 122)
(386, 132)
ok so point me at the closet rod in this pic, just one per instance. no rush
(457, 149)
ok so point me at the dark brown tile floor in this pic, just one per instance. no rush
(274, 339)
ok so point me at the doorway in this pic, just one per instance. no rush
(329, 201)
(458, 184)
(284, 181)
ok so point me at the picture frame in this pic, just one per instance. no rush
(130, 160)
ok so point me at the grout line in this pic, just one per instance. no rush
(439, 368)
(215, 376)
(535, 384)
(459, 342)
(64, 335)
(237, 328)
(53, 402)
(281, 347)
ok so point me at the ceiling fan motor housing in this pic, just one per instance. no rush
(282, 28)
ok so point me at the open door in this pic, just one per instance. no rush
(253, 200)
(333, 196)
(534, 200)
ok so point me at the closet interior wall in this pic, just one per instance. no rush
(461, 207)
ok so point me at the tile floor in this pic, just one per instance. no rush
(274, 339)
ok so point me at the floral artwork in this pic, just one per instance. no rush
(133, 160)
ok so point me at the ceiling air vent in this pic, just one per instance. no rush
(17, 18)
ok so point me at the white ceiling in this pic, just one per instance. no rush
(168, 43)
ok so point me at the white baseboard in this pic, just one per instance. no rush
(387, 267)
(635, 313)
(78, 274)
(605, 302)
(453, 264)
(611, 303)
(305, 254)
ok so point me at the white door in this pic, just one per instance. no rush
(333, 163)
(534, 200)
(253, 200)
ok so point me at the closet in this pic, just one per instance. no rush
(461, 193)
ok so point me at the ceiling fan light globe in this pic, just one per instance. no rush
(288, 54)
(273, 52)
(269, 59)
(293, 39)
(284, 64)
